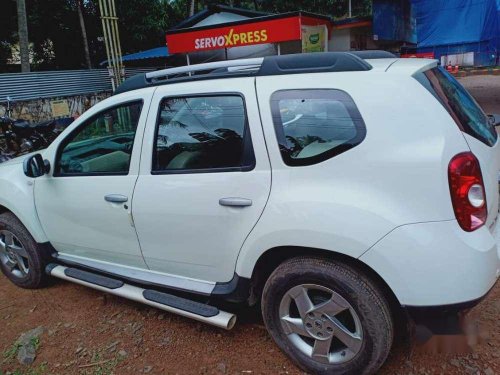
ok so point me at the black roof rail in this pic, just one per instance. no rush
(374, 54)
(268, 66)
(312, 63)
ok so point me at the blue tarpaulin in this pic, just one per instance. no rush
(442, 27)
(155, 53)
(394, 20)
(448, 22)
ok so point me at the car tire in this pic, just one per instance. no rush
(21, 259)
(327, 317)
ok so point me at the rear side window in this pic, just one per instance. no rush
(315, 125)
(462, 107)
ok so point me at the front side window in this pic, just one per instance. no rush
(102, 145)
(461, 106)
(202, 134)
(315, 125)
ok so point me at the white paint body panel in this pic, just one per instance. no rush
(437, 263)
(73, 212)
(349, 202)
(385, 202)
(181, 226)
(16, 195)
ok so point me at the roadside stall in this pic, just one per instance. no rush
(286, 33)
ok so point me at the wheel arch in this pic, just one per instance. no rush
(31, 223)
(4, 209)
(273, 257)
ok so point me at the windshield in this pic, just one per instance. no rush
(462, 107)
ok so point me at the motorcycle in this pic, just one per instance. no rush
(19, 137)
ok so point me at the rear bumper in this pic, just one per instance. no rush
(442, 320)
(437, 264)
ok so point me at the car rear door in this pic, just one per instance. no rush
(205, 178)
(489, 159)
(479, 132)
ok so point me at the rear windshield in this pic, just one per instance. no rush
(462, 107)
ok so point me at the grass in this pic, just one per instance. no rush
(35, 342)
(102, 367)
(40, 370)
(10, 353)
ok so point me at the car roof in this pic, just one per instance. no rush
(326, 62)
(301, 63)
(410, 66)
(381, 65)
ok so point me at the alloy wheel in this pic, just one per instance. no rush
(321, 324)
(13, 255)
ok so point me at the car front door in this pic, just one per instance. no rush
(205, 178)
(84, 203)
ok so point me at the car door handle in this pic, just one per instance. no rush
(235, 202)
(116, 198)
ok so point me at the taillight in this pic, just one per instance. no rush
(467, 191)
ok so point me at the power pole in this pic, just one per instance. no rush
(112, 41)
(79, 6)
(22, 26)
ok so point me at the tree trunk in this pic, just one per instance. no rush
(22, 25)
(191, 7)
(79, 6)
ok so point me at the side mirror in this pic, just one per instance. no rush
(494, 119)
(34, 166)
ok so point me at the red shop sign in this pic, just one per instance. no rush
(270, 31)
(422, 55)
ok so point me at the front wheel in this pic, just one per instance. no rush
(21, 259)
(327, 317)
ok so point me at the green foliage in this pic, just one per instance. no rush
(337, 9)
(35, 342)
(142, 24)
(10, 353)
(40, 370)
(8, 31)
(103, 367)
(55, 34)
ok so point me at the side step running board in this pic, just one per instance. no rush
(163, 301)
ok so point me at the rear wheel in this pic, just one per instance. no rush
(327, 317)
(21, 261)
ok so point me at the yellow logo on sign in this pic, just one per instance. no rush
(232, 39)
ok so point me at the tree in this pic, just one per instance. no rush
(192, 4)
(22, 25)
(8, 33)
(79, 7)
(67, 34)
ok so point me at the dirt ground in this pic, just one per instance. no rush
(486, 90)
(88, 332)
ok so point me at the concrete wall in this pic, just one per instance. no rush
(358, 38)
(40, 110)
(340, 40)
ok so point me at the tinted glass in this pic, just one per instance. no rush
(459, 103)
(315, 125)
(202, 133)
(102, 145)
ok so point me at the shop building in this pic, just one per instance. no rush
(463, 33)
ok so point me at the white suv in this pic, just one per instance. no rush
(338, 190)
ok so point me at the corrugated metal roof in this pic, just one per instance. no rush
(35, 85)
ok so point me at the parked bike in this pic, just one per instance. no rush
(19, 137)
